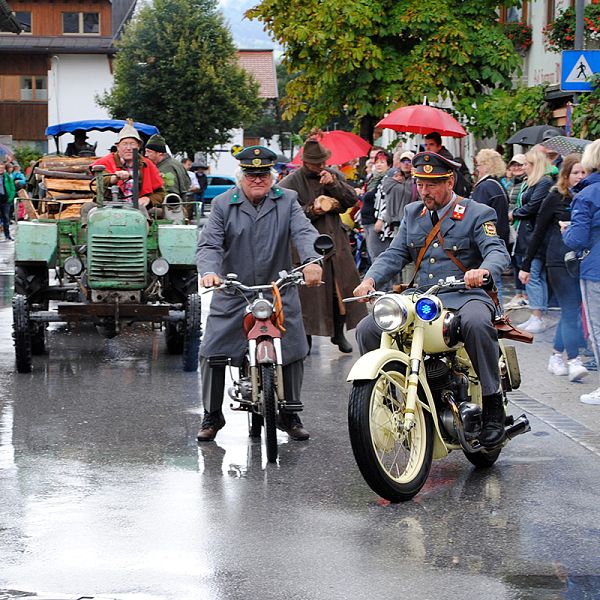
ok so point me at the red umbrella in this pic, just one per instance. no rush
(344, 146)
(421, 118)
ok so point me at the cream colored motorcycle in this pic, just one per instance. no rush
(417, 397)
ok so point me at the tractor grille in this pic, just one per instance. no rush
(117, 261)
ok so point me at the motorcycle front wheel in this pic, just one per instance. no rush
(267, 373)
(394, 463)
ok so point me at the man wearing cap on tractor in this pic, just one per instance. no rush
(120, 163)
(468, 232)
(324, 195)
(174, 174)
(249, 232)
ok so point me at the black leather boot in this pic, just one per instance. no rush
(338, 334)
(493, 417)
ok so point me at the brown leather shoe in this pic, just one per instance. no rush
(211, 423)
(292, 425)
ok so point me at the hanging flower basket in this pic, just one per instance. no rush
(520, 34)
(560, 35)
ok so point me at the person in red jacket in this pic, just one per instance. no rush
(120, 163)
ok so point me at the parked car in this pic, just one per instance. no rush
(217, 184)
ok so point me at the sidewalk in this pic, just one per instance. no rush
(554, 391)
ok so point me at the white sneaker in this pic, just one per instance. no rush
(525, 324)
(591, 398)
(557, 366)
(576, 369)
(535, 325)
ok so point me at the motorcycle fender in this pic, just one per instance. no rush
(367, 367)
(265, 353)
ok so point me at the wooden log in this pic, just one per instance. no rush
(63, 174)
(66, 185)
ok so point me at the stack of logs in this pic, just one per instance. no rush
(66, 181)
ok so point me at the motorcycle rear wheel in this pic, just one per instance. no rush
(267, 373)
(395, 464)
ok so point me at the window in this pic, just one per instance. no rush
(80, 22)
(24, 19)
(514, 14)
(34, 88)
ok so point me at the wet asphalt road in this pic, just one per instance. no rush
(104, 492)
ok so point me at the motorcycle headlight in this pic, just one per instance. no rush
(262, 309)
(428, 308)
(73, 266)
(160, 267)
(390, 313)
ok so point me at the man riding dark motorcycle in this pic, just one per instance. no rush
(249, 232)
(449, 236)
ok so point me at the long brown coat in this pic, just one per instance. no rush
(339, 272)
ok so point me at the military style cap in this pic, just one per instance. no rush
(429, 165)
(256, 159)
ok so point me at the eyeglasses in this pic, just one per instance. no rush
(405, 160)
(257, 176)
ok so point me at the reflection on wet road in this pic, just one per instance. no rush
(105, 492)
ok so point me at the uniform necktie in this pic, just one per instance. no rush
(434, 217)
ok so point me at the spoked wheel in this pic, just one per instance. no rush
(393, 462)
(267, 373)
(192, 333)
(484, 459)
(21, 333)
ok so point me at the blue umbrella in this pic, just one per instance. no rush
(6, 153)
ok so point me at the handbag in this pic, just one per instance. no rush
(573, 262)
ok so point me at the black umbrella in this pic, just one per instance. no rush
(529, 136)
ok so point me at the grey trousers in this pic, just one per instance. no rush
(213, 383)
(590, 293)
(479, 335)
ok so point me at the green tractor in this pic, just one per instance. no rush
(114, 271)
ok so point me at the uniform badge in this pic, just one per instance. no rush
(256, 162)
(489, 229)
(458, 213)
(256, 151)
(423, 212)
(427, 168)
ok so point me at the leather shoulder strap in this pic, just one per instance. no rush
(430, 237)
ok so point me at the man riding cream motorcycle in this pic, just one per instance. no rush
(448, 236)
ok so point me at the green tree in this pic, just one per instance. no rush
(586, 115)
(177, 68)
(503, 112)
(365, 57)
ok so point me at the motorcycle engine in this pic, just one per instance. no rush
(438, 374)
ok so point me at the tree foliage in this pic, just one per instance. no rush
(365, 57)
(177, 69)
(504, 112)
(586, 115)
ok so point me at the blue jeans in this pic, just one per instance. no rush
(537, 288)
(568, 331)
(5, 216)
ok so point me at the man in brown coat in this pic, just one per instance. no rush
(324, 195)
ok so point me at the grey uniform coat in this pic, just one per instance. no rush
(469, 232)
(255, 244)
(339, 271)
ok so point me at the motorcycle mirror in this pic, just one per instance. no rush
(324, 244)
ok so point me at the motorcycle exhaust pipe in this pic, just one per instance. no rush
(520, 426)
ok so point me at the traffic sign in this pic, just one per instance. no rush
(577, 68)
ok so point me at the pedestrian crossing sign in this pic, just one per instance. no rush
(577, 68)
